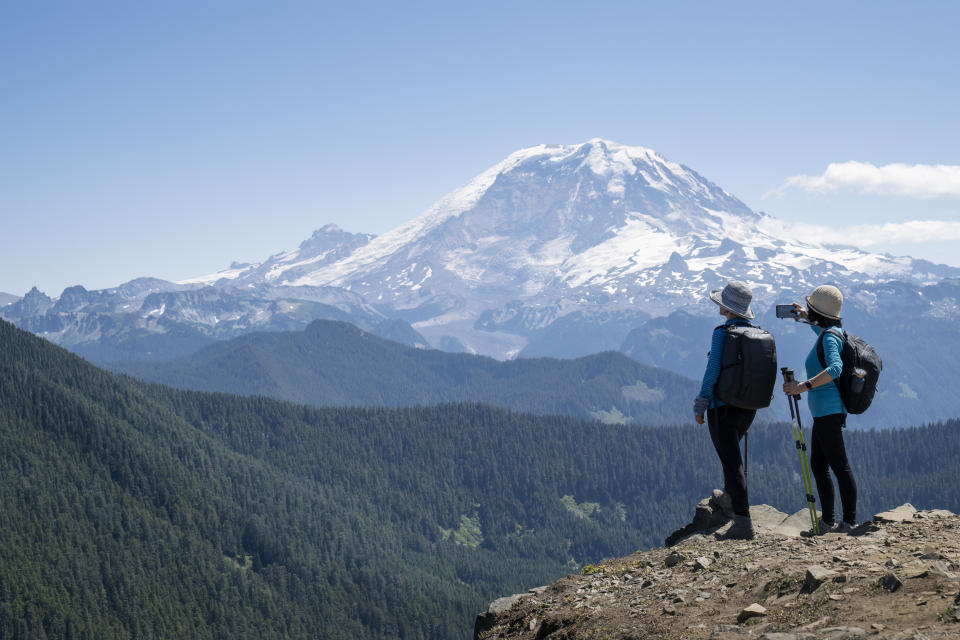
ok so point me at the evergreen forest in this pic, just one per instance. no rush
(134, 510)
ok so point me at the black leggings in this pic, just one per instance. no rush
(828, 452)
(727, 426)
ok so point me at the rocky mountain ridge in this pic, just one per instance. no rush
(896, 577)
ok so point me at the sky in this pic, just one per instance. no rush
(169, 139)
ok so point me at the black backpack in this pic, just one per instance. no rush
(861, 370)
(748, 368)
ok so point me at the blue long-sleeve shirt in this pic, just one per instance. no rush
(825, 400)
(716, 359)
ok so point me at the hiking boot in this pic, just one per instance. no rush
(844, 527)
(741, 529)
(825, 527)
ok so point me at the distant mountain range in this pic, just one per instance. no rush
(559, 250)
(149, 319)
(336, 364)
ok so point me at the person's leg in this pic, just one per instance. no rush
(831, 436)
(725, 423)
(820, 468)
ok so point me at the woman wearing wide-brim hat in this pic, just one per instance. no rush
(728, 424)
(829, 414)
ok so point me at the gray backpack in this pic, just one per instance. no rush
(748, 368)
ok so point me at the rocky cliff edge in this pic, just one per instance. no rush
(895, 577)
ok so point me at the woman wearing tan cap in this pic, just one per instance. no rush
(829, 414)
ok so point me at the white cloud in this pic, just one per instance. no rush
(917, 181)
(867, 235)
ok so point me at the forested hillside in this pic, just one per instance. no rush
(337, 364)
(135, 510)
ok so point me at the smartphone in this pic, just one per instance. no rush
(786, 311)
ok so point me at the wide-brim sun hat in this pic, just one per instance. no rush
(735, 298)
(827, 301)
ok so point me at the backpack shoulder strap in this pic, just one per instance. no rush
(726, 326)
(821, 356)
(840, 333)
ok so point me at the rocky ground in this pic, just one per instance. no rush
(896, 577)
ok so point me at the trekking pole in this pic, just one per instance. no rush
(746, 442)
(794, 402)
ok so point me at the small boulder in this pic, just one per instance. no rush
(890, 582)
(903, 513)
(674, 559)
(755, 610)
(816, 576)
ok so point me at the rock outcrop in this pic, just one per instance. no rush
(896, 577)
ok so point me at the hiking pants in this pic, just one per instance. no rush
(828, 452)
(727, 427)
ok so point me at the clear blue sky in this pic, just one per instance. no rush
(171, 138)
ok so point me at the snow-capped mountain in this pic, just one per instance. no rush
(555, 230)
(558, 250)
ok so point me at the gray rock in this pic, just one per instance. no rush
(890, 582)
(721, 500)
(500, 605)
(903, 513)
(816, 576)
(937, 570)
(701, 563)
(755, 610)
(669, 610)
(793, 525)
(707, 515)
(486, 620)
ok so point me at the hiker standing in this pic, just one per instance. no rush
(826, 406)
(728, 424)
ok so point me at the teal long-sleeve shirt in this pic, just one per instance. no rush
(825, 400)
(714, 361)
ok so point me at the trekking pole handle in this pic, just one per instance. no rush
(788, 377)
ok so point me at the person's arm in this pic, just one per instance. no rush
(710, 375)
(832, 344)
